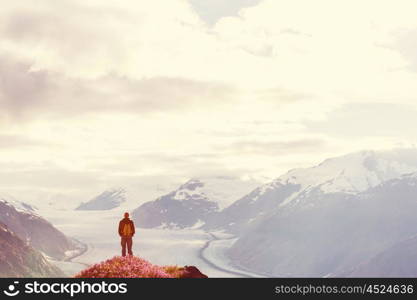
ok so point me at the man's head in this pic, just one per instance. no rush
(126, 215)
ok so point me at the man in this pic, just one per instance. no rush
(126, 232)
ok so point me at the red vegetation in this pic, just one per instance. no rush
(135, 267)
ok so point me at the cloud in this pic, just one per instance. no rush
(361, 120)
(89, 40)
(316, 47)
(129, 90)
(269, 45)
(282, 96)
(406, 43)
(268, 148)
(28, 93)
(50, 178)
(8, 141)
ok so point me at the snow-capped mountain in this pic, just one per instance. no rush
(105, 201)
(349, 174)
(193, 203)
(222, 190)
(352, 173)
(320, 224)
(338, 232)
(34, 230)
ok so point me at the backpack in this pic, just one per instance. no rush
(127, 229)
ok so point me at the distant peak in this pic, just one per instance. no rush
(352, 172)
(192, 184)
(117, 190)
(106, 200)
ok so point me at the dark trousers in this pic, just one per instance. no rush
(126, 242)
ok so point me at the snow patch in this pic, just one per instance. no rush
(222, 190)
(18, 205)
(352, 173)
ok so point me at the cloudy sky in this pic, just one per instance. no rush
(103, 93)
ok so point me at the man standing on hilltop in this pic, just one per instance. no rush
(126, 232)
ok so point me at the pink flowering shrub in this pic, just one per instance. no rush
(128, 267)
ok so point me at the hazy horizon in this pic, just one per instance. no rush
(100, 94)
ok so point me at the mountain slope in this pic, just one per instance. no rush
(255, 205)
(192, 204)
(399, 260)
(349, 174)
(326, 233)
(105, 201)
(21, 219)
(20, 260)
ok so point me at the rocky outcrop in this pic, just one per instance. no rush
(192, 272)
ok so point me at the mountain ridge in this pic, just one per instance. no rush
(192, 204)
(348, 174)
(17, 259)
(326, 233)
(33, 229)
